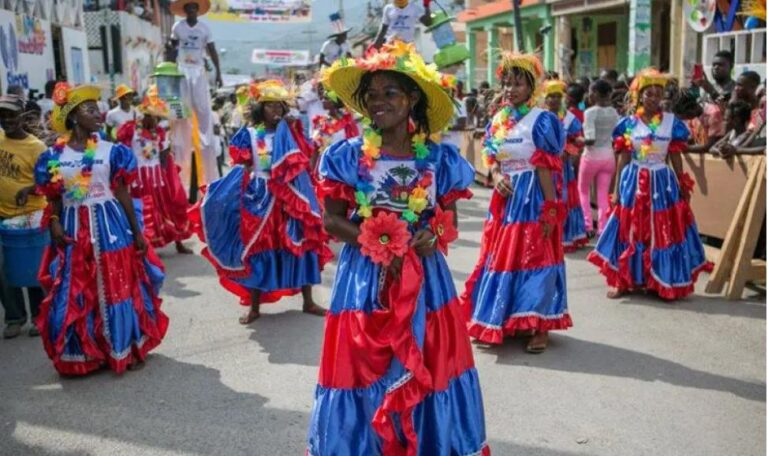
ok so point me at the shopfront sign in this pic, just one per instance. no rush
(280, 57)
(26, 51)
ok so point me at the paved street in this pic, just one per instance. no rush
(633, 377)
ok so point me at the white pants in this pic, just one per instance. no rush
(195, 93)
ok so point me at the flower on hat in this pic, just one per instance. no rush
(400, 48)
(378, 61)
(61, 93)
(383, 238)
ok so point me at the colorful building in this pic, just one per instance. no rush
(42, 40)
(490, 28)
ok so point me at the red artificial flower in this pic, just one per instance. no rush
(384, 237)
(60, 93)
(443, 227)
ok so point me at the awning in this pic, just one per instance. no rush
(491, 9)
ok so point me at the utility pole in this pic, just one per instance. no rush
(518, 25)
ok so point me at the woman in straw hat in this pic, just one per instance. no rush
(164, 202)
(650, 241)
(574, 230)
(262, 222)
(102, 279)
(518, 285)
(396, 372)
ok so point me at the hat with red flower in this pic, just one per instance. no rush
(67, 98)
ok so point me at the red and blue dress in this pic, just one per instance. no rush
(574, 230)
(262, 222)
(519, 280)
(651, 240)
(158, 186)
(367, 402)
(102, 306)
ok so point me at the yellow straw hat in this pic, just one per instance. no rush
(270, 90)
(153, 105)
(343, 78)
(554, 86)
(177, 7)
(121, 91)
(66, 98)
(646, 78)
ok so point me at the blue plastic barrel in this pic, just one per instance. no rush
(22, 253)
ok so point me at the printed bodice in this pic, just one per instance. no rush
(70, 168)
(514, 154)
(393, 181)
(147, 150)
(657, 150)
(268, 140)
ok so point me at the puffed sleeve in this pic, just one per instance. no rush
(43, 178)
(574, 137)
(549, 139)
(680, 135)
(241, 147)
(122, 165)
(125, 133)
(338, 170)
(454, 175)
(621, 143)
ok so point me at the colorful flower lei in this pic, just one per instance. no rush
(503, 122)
(77, 188)
(148, 141)
(326, 126)
(647, 142)
(417, 199)
(261, 148)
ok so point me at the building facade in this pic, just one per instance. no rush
(42, 40)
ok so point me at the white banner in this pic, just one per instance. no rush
(280, 57)
(26, 50)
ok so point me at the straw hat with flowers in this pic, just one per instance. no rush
(66, 98)
(344, 76)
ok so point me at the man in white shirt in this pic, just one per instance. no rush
(399, 20)
(336, 45)
(123, 112)
(191, 40)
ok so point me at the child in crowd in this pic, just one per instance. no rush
(598, 163)
(739, 136)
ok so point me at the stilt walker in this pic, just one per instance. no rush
(192, 39)
(518, 285)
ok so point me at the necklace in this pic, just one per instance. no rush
(261, 148)
(503, 122)
(326, 126)
(417, 198)
(77, 188)
(647, 142)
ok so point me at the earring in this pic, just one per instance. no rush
(411, 125)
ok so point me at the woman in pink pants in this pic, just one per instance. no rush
(598, 162)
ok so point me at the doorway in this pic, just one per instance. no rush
(606, 45)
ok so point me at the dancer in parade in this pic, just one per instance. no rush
(102, 278)
(518, 285)
(397, 374)
(651, 241)
(158, 186)
(574, 231)
(262, 222)
(332, 126)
